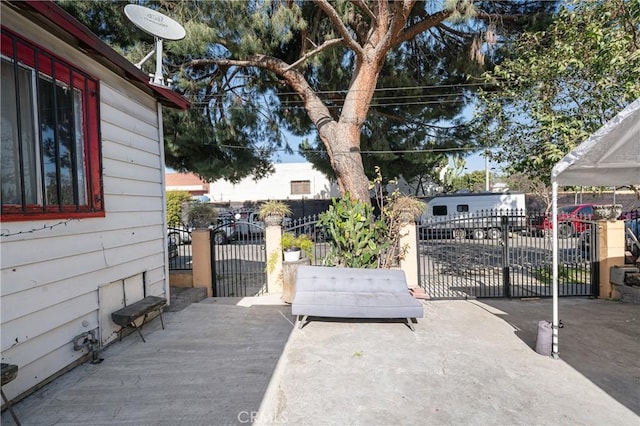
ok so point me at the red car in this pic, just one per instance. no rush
(571, 220)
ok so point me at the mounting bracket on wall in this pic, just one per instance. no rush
(161, 27)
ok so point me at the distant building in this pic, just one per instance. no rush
(189, 182)
(290, 181)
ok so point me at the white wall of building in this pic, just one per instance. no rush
(277, 186)
(61, 278)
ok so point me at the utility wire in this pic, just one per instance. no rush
(404, 151)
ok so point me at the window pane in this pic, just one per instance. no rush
(300, 187)
(80, 154)
(47, 140)
(439, 210)
(11, 182)
(66, 142)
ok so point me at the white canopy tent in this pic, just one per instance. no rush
(609, 157)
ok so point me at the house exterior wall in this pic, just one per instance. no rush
(276, 186)
(52, 270)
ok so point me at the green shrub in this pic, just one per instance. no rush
(356, 237)
(201, 215)
(303, 242)
(175, 199)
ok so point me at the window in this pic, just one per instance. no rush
(300, 187)
(49, 143)
(462, 208)
(439, 210)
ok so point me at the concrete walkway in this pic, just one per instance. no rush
(463, 366)
(231, 361)
(210, 366)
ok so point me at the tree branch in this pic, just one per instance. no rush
(339, 26)
(325, 45)
(360, 4)
(400, 17)
(429, 22)
(450, 30)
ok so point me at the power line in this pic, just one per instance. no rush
(403, 151)
(443, 101)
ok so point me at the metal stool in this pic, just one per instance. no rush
(9, 372)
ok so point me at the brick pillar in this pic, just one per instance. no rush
(410, 262)
(272, 235)
(201, 258)
(610, 252)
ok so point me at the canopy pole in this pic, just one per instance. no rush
(554, 265)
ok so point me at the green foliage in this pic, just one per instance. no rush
(174, 206)
(201, 215)
(474, 181)
(273, 207)
(395, 210)
(560, 85)
(566, 274)
(356, 237)
(303, 242)
(289, 240)
(249, 70)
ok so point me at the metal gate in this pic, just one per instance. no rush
(238, 260)
(504, 254)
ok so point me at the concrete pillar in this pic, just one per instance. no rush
(201, 258)
(272, 235)
(610, 252)
(410, 262)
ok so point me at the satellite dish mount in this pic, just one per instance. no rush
(161, 27)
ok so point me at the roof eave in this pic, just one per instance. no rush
(47, 12)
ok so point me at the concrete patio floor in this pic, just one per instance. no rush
(232, 361)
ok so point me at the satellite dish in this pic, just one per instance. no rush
(158, 25)
(154, 23)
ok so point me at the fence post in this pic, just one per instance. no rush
(610, 252)
(201, 258)
(506, 278)
(272, 235)
(409, 264)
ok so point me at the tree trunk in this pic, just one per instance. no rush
(347, 164)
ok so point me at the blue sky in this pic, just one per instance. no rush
(474, 161)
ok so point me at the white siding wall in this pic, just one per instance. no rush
(50, 277)
(276, 186)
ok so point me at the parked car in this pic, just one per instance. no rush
(224, 230)
(631, 233)
(172, 245)
(572, 220)
(181, 234)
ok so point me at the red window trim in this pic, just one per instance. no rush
(27, 53)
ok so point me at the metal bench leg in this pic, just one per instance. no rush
(10, 408)
(302, 321)
(410, 324)
(139, 329)
(161, 321)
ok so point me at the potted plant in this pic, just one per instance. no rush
(273, 212)
(292, 246)
(201, 215)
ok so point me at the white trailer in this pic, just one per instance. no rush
(474, 215)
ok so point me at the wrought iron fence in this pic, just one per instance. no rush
(504, 254)
(308, 225)
(179, 247)
(238, 262)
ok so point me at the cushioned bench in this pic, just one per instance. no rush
(127, 316)
(353, 293)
